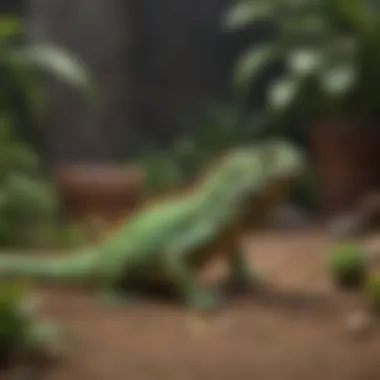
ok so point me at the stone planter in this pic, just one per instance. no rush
(105, 193)
(347, 161)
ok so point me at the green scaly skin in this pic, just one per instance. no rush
(166, 243)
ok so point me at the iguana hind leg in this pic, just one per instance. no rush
(177, 262)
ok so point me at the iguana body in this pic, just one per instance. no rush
(169, 241)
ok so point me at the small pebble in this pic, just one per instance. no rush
(358, 323)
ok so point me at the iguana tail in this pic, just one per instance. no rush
(70, 269)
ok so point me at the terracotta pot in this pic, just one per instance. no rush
(347, 160)
(103, 192)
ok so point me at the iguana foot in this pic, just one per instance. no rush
(241, 278)
(205, 300)
(116, 299)
(246, 282)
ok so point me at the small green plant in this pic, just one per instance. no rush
(372, 292)
(348, 265)
(21, 334)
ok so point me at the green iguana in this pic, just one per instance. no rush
(168, 242)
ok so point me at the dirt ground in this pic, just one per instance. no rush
(298, 330)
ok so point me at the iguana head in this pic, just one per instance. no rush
(239, 173)
(245, 171)
(271, 169)
(253, 167)
(281, 160)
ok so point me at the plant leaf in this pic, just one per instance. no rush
(305, 61)
(10, 26)
(23, 84)
(283, 93)
(57, 62)
(248, 12)
(251, 64)
(339, 79)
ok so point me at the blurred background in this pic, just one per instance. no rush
(105, 105)
(174, 83)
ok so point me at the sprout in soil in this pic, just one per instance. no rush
(372, 292)
(348, 265)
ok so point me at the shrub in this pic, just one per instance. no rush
(348, 265)
(21, 334)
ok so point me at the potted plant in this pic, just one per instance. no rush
(99, 196)
(331, 53)
(86, 190)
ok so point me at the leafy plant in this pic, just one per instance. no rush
(21, 334)
(331, 51)
(372, 292)
(348, 265)
(27, 200)
(20, 66)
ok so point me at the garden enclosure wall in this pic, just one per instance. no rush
(153, 60)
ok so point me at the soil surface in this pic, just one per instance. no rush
(297, 329)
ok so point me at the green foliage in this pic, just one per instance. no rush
(207, 134)
(348, 264)
(26, 199)
(28, 203)
(20, 65)
(13, 322)
(19, 329)
(372, 291)
(331, 51)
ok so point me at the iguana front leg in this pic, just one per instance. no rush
(241, 276)
(187, 284)
(176, 263)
